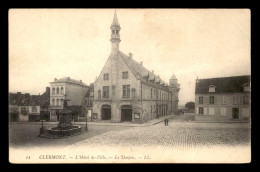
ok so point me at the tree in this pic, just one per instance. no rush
(190, 105)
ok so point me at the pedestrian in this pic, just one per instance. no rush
(165, 122)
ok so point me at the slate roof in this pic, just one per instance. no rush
(30, 100)
(223, 85)
(139, 70)
(69, 80)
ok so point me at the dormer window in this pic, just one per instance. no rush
(212, 88)
(246, 87)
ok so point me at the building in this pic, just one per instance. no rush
(26, 107)
(126, 91)
(66, 88)
(223, 99)
(89, 98)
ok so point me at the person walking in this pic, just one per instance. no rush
(165, 121)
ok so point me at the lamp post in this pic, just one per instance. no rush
(42, 129)
(87, 121)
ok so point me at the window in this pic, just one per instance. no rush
(125, 75)
(151, 93)
(116, 31)
(61, 90)
(223, 111)
(223, 100)
(53, 102)
(133, 93)
(57, 102)
(126, 90)
(105, 91)
(106, 76)
(245, 100)
(211, 111)
(200, 110)
(211, 99)
(34, 109)
(90, 102)
(154, 92)
(211, 88)
(53, 90)
(99, 94)
(57, 91)
(200, 100)
(113, 31)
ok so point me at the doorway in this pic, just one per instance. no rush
(126, 113)
(235, 113)
(106, 112)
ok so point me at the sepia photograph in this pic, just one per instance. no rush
(129, 85)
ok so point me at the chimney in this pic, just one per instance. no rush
(130, 55)
(80, 81)
(18, 93)
(152, 71)
(68, 78)
(141, 63)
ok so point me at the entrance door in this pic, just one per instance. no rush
(235, 113)
(126, 113)
(106, 112)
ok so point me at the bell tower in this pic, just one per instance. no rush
(115, 34)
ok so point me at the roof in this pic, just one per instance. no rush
(69, 80)
(173, 76)
(139, 70)
(91, 89)
(29, 100)
(223, 85)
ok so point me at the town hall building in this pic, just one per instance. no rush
(126, 91)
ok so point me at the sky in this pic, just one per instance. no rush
(54, 43)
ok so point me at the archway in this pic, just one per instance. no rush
(126, 113)
(106, 112)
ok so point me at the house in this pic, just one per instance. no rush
(26, 107)
(223, 99)
(126, 91)
(68, 88)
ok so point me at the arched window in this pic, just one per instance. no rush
(99, 94)
(61, 90)
(53, 102)
(61, 102)
(57, 91)
(57, 102)
(53, 90)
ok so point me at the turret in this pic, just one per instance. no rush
(115, 34)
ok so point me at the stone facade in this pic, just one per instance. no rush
(223, 99)
(126, 91)
(66, 88)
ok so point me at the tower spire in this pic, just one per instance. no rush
(115, 20)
